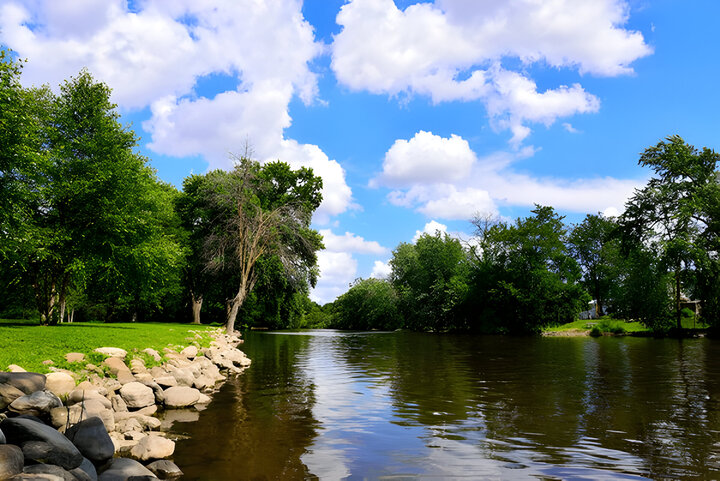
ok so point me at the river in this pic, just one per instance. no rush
(403, 406)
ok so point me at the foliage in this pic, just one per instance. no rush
(525, 276)
(676, 215)
(368, 304)
(431, 280)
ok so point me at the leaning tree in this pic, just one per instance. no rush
(259, 211)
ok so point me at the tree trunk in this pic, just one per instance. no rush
(62, 309)
(196, 306)
(72, 315)
(235, 304)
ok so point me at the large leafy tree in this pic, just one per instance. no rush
(526, 278)
(676, 214)
(368, 304)
(593, 245)
(260, 211)
(431, 280)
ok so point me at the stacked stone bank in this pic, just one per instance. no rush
(106, 428)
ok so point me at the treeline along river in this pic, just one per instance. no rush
(338, 405)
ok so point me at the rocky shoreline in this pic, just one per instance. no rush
(107, 427)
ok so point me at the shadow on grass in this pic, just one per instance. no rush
(24, 323)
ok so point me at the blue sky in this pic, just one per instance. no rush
(417, 115)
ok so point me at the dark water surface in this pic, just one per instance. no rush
(397, 406)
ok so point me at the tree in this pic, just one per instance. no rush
(368, 304)
(525, 278)
(593, 246)
(261, 211)
(676, 214)
(431, 280)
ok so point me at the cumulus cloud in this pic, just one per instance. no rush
(492, 182)
(432, 228)
(155, 56)
(426, 157)
(453, 50)
(350, 242)
(381, 270)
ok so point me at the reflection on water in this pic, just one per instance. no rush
(330, 405)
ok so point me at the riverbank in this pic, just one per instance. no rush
(116, 412)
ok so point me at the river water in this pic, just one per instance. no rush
(405, 406)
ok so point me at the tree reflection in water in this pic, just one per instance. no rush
(365, 405)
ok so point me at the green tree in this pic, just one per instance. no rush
(431, 279)
(594, 247)
(368, 304)
(676, 214)
(525, 278)
(261, 211)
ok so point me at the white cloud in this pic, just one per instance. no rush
(154, 57)
(381, 270)
(350, 242)
(569, 127)
(493, 182)
(432, 228)
(337, 271)
(426, 157)
(452, 50)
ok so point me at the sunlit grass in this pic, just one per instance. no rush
(28, 344)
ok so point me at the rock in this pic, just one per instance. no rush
(165, 469)
(50, 469)
(59, 416)
(146, 411)
(11, 461)
(154, 354)
(15, 368)
(203, 399)
(89, 386)
(181, 396)
(112, 352)
(85, 472)
(166, 381)
(144, 377)
(91, 438)
(41, 443)
(122, 469)
(184, 377)
(118, 368)
(59, 383)
(36, 404)
(8, 394)
(77, 396)
(159, 371)
(190, 352)
(75, 357)
(137, 395)
(48, 362)
(118, 405)
(202, 382)
(153, 447)
(27, 382)
(157, 391)
(148, 423)
(112, 385)
(137, 366)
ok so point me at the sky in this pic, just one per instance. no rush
(417, 115)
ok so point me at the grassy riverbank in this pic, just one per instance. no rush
(612, 326)
(27, 344)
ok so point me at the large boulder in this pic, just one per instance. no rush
(41, 443)
(8, 394)
(153, 447)
(190, 352)
(75, 357)
(137, 395)
(11, 461)
(181, 396)
(85, 472)
(59, 383)
(153, 353)
(78, 396)
(112, 352)
(118, 368)
(92, 440)
(50, 469)
(165, 469)
(183, 376)
(122, 469)
(27, 382)
(36, 404)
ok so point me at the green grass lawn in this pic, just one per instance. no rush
(610, 325)
(28, 344)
